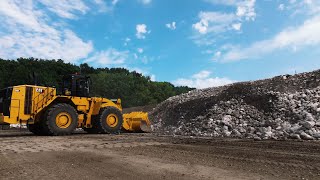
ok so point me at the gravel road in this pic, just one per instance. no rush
(148, 156)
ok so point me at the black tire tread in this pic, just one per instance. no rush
(101, 124)
(47, 128)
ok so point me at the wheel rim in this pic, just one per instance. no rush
(112, 120)
(63, 120)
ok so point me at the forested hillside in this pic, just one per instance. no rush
(133, 88)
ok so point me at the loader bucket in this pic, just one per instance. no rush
(145, 127)
(136, 122)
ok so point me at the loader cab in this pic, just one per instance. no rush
(76, 85)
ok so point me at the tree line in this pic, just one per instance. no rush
(132, 87)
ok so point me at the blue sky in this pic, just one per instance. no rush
(199, 43)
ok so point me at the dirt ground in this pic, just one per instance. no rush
(148, 156)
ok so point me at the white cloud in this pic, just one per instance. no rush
(14, 14)
(145, 2)
(27, 31)
(294, 38)
(217, 55)
(153, 77)
(202, 80)
(212, 23)
(246, 9)
(114, 2)
(202, 75)
(66, 8)
(313, 6)
(140, 50)
(201, 26)
(306, 7)
(281, 7)
(141, 31)
(126, 41)
(105, 6)
(110, 56)
(236, 26)
(66, 45)
(171, 26)
(135, 56)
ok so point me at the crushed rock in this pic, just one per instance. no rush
(278, 108)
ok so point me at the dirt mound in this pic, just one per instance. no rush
(277, 108)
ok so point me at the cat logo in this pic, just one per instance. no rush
(39, 90)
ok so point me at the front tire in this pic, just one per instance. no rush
(61, 119)
(110, 120)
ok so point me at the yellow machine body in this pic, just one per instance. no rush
(26, 104)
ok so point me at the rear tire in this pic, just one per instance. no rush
(110, 120)
(60, 119)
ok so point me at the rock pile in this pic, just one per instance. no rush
(278, 108)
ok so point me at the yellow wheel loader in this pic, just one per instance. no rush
(46, 112)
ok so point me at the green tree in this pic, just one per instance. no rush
(132, 87)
